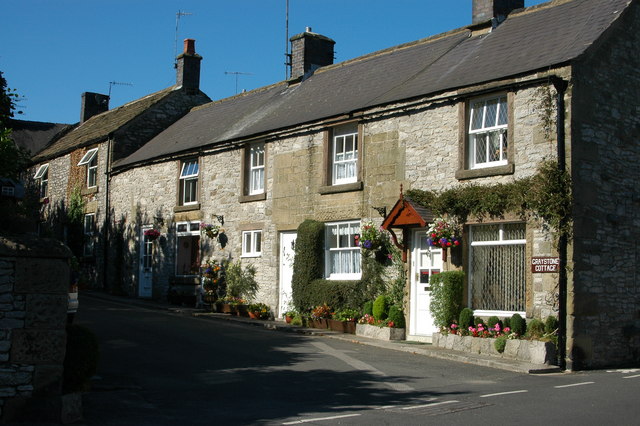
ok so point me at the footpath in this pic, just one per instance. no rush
(416, 348)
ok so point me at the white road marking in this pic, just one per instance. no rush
(359, 365)
(502, 393)
(433, 404)
(319, 419)
(632, 377)
(574, 384)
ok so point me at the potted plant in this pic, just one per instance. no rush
(289, 315)
(259, 311)
(320, 316)
(443, 234)
(345, 321)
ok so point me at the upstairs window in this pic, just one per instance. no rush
(342, 252)
(189, 182)
(251, 243)
(256, 169)
(90, 159)
(344, 155)
(488, 122)
(42, 176)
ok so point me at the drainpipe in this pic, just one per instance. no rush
(107, 216)
(561, 86)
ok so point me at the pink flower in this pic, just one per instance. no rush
(454, 326)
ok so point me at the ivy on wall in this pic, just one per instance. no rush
(546, 195)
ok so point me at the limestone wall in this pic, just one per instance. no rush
(34, 285)
(605, 298)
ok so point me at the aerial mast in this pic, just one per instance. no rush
(175, 44)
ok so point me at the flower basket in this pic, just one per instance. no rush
(443, 234)
(254, 315)
(152, 234)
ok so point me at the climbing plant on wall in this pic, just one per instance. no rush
(546, 195)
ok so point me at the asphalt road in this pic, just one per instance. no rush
(162, 368)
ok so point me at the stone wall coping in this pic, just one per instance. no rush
(33, 246)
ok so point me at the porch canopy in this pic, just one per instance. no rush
(406, 214)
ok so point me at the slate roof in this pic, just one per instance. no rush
(100, 126)
(532, 39)
(35, 135)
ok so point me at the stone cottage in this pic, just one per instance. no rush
(476, 106)
(77, 163)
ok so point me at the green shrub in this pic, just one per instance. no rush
(297, 319)
(466, 320)
(506, 322)
(446, 297)
(308, 263)
(367, 308)
(492, 321)
(518, 325)
(241, 281)
(81, 358)
(535, 328)
(396, 314)
(500, 343)
(381, 308)
(551, 325)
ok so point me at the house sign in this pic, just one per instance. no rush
(542, 265)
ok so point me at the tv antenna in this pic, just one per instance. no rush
(117, 83)
(287, 55)
(175, 44)
(237, 74)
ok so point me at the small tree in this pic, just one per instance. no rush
(446, 297)
(241, 281)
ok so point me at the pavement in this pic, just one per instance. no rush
(416, 348)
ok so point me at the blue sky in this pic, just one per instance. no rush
(53, 50)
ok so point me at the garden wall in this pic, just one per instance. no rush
(34, 285)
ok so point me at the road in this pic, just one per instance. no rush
(162, 368)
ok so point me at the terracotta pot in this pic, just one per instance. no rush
(228, 309)
(254, 315)
(288, 319)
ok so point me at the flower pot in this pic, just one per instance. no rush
(336, 325)
(242, 311)
(228, 309)
(254, 315)
(288, 319)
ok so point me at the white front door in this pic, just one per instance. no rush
(146, 264)
(425, 262)
(287, 253)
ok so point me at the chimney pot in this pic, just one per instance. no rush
(188, 67)
(189, 46)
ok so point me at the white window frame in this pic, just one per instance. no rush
(187, 230)
(256, 168)
(347, 159)
(43, 176)
(501, 241)
(88, 228)
(188, 177)
(351, 248)
(486, 129)
(90, 159)
(252, 243)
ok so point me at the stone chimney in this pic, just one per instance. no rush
(93, 104)
(188, 67)
(310, 51)
(486, 10)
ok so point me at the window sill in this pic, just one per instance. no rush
(190, 207)
(89, 191)
(251, 255)
(252, 198)
(347, 187)
(185, 280)
(507, 169)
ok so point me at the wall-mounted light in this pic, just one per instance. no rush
(220, 219)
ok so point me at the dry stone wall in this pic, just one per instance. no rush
(34, 280)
